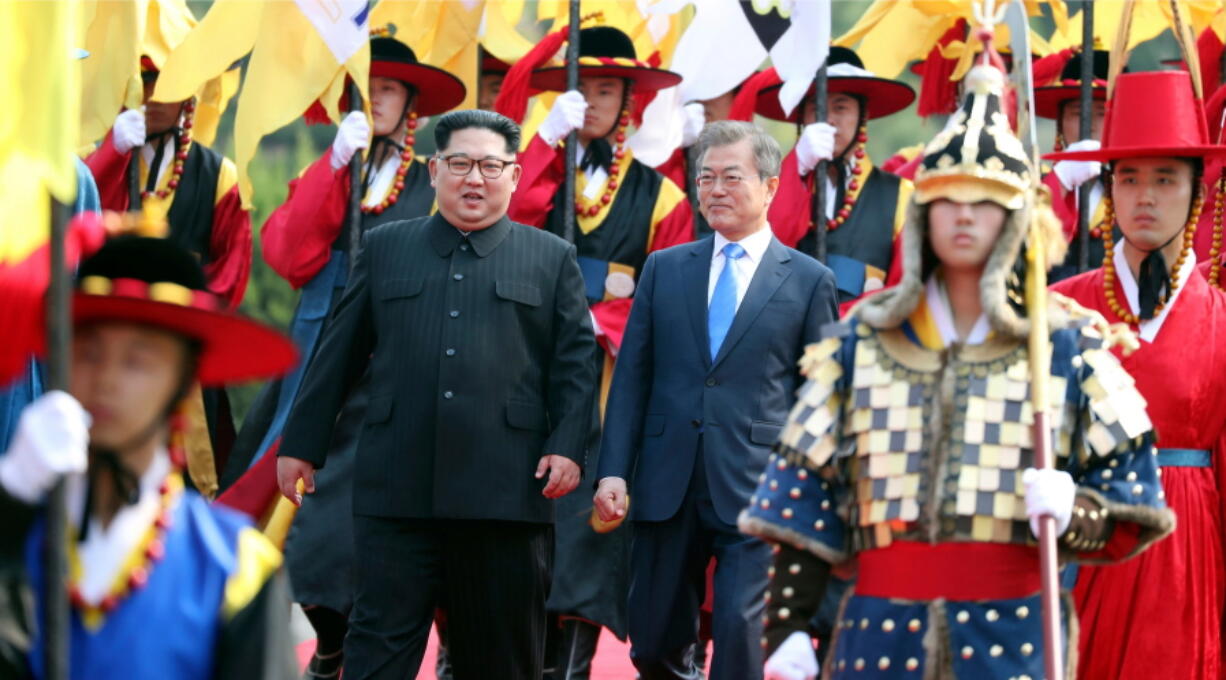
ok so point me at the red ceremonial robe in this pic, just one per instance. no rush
(227, 258)
(1159, 615)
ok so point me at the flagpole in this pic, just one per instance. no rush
(818, 209)
(353, 213)
(133, 175)
(1085, 130)
(572, 139)
(55, 547)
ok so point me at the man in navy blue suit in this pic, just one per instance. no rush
(705, 378)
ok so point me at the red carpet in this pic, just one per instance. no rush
(612, 658)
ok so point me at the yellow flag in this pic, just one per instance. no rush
(441, 33)
(291, 66)
(117, 34)
(40, 79)
(893, 33)
(111, 74)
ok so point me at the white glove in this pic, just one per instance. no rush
(1073, 174)
(1049, 492)
(128, 132)
(353, 134)
(816, 144)
(566, 115)
(794, 660)
(691, 127)
(51, 440)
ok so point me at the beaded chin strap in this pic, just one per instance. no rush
(1215, 248)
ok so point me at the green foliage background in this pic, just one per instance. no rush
(285, 153)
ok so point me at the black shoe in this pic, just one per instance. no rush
(325, 665)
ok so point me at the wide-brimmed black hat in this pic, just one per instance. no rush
(153, 282)
(845, 75)
(607, 52)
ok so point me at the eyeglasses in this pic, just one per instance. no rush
(730, 181)
(490, 168)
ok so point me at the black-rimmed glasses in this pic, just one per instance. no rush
(490, 168)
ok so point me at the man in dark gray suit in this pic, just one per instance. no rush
(479, 344)
(704, 382)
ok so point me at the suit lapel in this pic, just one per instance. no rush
(766, 280)
(697, 276)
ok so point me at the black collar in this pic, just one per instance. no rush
(445, 237)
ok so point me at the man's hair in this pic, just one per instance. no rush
(476, 118)
(766, 153)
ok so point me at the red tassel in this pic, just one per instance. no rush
(937, 93)
(1048, 69)
(746, 100)
(512, 100)
(316, 115)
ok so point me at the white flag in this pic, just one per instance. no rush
(802, 49)
(343, 24)
(716, 53)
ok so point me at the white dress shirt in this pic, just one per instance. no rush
(148, 152)
(755, 246)
(595, 176)
(1148, 328)
(106, 549)
(848, 164)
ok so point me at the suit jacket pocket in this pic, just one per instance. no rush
(653, 425)
(379, 410)
(527, 416)
(764, 432)
(523, 293)
(394, 289)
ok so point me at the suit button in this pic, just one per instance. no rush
(464, 247)
(711, 382)
(450, 352)
(458, 277)
(448, 394)
(455, 314)
(696, 422)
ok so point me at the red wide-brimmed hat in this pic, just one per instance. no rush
(1151, 114)
(845, 75)
(153, 282)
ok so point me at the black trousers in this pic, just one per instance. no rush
(668, 584)
(490, 577)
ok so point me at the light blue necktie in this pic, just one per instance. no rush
(722, 310)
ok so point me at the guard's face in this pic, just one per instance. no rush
(718, 108)
(124, 375)
(731, 195)
(388, 99)
(843, 112)
(491, 85)
(963, 234)
(473, 201)
(159, 116)
(1152, 197)
(1070, 121)
(604, 106)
